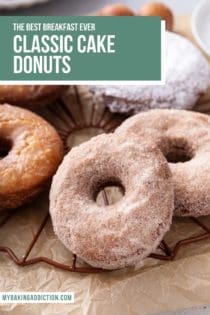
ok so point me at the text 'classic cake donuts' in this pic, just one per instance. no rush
(123, 233)
(30, 151)
(30, 96)
(184, 139)
(187, 78)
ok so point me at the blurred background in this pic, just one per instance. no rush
(80, 7)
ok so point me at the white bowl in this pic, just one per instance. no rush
(13, 4)
(201, 24)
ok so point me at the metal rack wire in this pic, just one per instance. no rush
(63, 117)
(167, 253)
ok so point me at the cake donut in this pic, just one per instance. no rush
(123, 233)
(187, 78)
(30, 96)
(184, 139)
(30, 151)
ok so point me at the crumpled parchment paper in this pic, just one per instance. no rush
(156, 286)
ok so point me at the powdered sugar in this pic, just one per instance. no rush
(187, 77)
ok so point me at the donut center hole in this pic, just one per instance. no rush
(109, 194)
(5, 147)
(178, 151)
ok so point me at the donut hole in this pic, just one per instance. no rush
(5, 147)
(178, 150)
(109, 193)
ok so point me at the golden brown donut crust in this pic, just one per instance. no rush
(184, 138)
(35, 153)
(30, 96)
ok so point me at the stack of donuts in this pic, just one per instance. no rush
(160, 159)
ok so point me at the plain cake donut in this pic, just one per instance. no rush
(187, 78)
(123, 233)
(30, 151)
(184, 139)
(30, 96)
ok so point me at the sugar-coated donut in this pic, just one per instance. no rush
(187, 78)
(184, 139)
(30, 151)
(30, 96)
(121, 234)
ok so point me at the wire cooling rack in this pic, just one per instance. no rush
(75, 113)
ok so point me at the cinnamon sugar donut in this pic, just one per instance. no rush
(187, 78)
(184, 139)
(30, 96)
(123, 233)
(30, 151)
